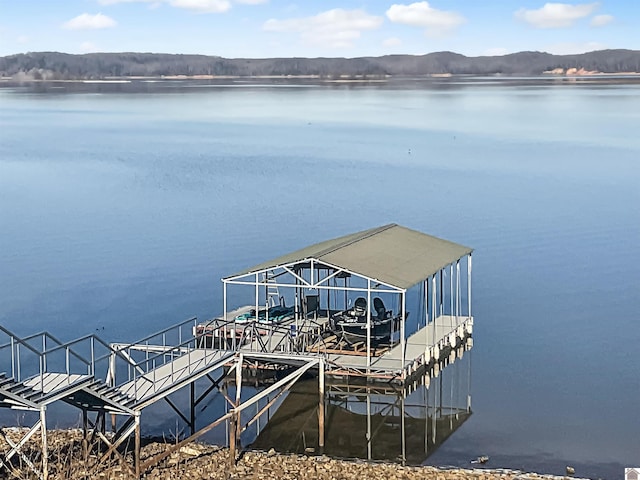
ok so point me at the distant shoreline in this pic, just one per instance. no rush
(128, 65)
(138, 83)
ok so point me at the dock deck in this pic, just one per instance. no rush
(422, 348)
(425, 346)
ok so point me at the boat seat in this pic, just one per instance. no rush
(381, 311)
(360, 307)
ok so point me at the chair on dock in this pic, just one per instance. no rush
(360, 307)
(381, 311)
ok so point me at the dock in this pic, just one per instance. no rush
(387, 306)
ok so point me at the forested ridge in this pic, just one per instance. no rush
(54, 65)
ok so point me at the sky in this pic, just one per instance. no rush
(316, 28)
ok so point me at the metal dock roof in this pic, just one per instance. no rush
(392, 254)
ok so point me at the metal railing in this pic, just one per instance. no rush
(263, 337)
(152, 358)
(153, 367)
(42, 353)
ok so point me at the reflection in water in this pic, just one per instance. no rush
(375, 422)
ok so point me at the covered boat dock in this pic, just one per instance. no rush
(307, 302)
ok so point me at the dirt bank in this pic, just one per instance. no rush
(200, 461)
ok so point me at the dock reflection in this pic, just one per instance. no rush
(375, 422)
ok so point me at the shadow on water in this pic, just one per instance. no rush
(374, 422)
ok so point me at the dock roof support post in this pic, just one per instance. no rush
(321, 405)
(257, 311)
(297, 308)
(224, 315)
(441, 310)
(469, 283)
(403, 296)
(426, 319)
(457, 290)
(433, 307)
(311, 273)
(369, 325)
(451, 292)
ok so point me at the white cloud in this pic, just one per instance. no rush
(87, 21)
(571, 48)
(202, 6)
(337, 28)
(251, 2)
(22, 39)
(495, 52)
(421, 14)
(601, 20)
(556, 15)
(392, 42)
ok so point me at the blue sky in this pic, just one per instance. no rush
(312, 28)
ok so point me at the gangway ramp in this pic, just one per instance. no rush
(182, 370)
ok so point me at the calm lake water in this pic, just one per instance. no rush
(120, 212)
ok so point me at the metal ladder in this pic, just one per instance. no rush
(272, 292)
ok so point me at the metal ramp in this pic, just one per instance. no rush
(176, 357)
(179, 372)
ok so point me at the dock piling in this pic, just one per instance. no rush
(321, 405)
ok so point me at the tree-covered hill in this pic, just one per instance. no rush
(53, 65)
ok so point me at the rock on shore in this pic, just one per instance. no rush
(199, 462)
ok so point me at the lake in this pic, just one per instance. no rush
(121, 210)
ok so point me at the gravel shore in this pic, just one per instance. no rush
(199, 461)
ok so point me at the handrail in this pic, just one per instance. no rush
(31, 337)
(147, 368)
(67, 345)
(16, 371)
(16, 342)
(19, 340)
(160, 332)
(169, 351)
(43, 333)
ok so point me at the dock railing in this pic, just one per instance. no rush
(25, 360)
(36, 355)
(152, 360)
(262, 337)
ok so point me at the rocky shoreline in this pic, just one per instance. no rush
(198, 461)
